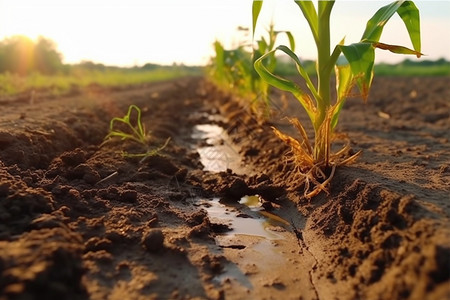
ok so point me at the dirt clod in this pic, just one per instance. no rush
(78, 220)
(153, 240)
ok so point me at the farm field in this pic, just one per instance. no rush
(215, 214)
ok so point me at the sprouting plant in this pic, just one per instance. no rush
(265, 47)
(234, 69)
(316, 162)
(135, 133)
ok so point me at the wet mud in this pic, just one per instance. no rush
(219, 214)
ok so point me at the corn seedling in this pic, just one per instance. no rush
(353, 66)
(265, 48)
(234, 69)
(136, 133)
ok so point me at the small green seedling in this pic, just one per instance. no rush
(316, 163)
(135, 133)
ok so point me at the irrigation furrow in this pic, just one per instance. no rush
(33, 133)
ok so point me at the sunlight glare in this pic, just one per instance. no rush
(125, 33)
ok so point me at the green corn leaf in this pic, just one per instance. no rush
(310, 13)
(344, 84)
(137, 135)
(284, 84)
(361, 57)
(256, 9)
(324, 8)
(375, 25)
(138, 120)
(289, 36)
(343, 81)
(275, 80)
(334, 56)
(291, 40)
(263, 46)
(219, 66)
(408, 12)
(300, 69)
(410, 16)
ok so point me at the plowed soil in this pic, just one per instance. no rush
(80, 221)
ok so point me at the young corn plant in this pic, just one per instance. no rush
(315, 162)
(125, 130)
(266, 47)
(235, 69)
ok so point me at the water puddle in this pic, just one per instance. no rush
(217, 154)
(210, 132)
(260, 249)
(259, 257)
(246, 217)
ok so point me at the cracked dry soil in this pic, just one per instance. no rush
(143, 233)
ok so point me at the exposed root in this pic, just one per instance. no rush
(318, 187)
(313, 174)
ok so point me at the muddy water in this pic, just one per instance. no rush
(217, 153)
(260, 248)
(244, 218)
(261, 251)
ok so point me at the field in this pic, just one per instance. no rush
(82, 77)
(215, 214)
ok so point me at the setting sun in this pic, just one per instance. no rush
(133, 32)
(124, 32)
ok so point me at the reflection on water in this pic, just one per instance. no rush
(246, 217)
(218, 155)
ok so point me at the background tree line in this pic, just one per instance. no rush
(20, 55)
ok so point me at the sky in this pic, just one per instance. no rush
(135, 32)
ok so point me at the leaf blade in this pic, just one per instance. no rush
(300, 69)
(310, 14)
(256, 9)
(375, 25)
(409, 13)
(344, 84)
(284, 84)
(361, 57)
(291, 40)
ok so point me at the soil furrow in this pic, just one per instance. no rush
(148, 233)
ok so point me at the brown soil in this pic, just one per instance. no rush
(79, 221)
